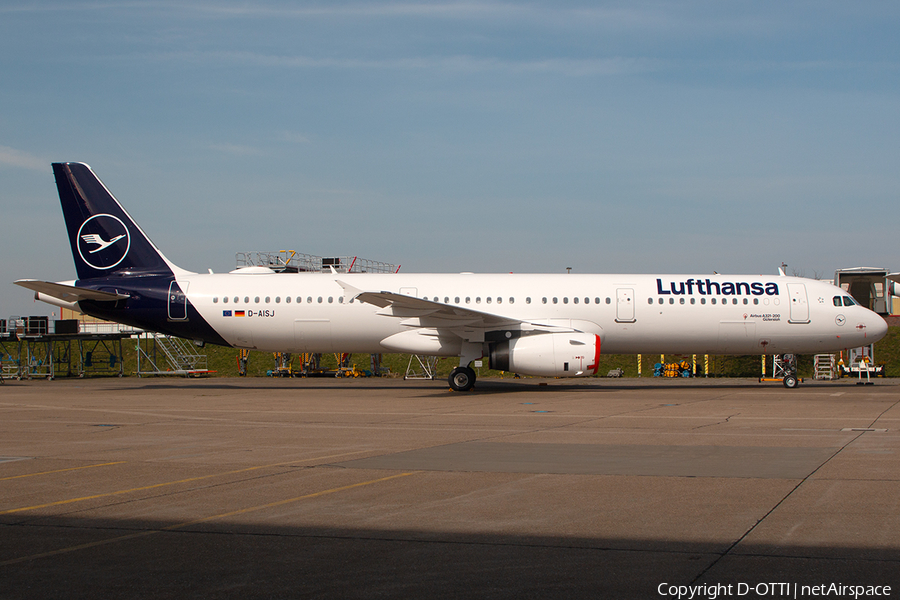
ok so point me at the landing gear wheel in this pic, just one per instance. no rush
(462, 379)
(790, 381)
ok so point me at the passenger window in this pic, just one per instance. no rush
(566, 300)
(488, 299)
(287, 299)
(277, 299)
(225, 299)
(746, 301)
(330, 299)
(712, 300)
(340, 299)
(649, 300)
(527, 299)
(734, 300)
(320, 299)
(756, 301)
(247, 300)
(477, 299)
(215, 300)
(681, 300)
(446, 299)
(309, 299)
(575, 299)
(693, 301)
(267, 299)
(555, 300)
(236, 299)
(512, 300)
(456, 300)
(671, 300)
(660, 300)
(499, 300)
(702, 300)
(468, 299)
(543, 300)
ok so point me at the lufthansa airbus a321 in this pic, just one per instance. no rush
(545, 325)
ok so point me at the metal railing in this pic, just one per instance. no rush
(295, 262)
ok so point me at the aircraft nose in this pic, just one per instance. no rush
(877, 328)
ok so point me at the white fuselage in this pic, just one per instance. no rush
(631, 314)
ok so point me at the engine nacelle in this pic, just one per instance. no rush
(549, 355)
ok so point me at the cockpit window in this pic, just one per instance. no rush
(848, 301)
(836, 300)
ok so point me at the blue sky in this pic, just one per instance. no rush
(679, 137)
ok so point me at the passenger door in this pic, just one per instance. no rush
(799, 303)
(177, 302)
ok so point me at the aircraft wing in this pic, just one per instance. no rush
(67, 293)
(420, 312)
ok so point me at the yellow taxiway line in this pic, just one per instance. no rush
(120, 462)
(242, 511)
(165, 484)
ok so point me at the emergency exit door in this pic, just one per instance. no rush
(625, 305)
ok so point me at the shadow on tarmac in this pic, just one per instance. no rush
(74, 557)
(483, 386)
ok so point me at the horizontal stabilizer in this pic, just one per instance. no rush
(68, 293)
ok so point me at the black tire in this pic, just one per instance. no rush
(462, 379)
(790, 382)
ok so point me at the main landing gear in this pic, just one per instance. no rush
(462, 379)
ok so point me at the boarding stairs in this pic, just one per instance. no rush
(824, 367)
(180, 355)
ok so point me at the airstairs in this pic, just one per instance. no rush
(179, 355)
(825, 367)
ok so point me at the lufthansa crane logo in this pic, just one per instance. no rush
(103, 241)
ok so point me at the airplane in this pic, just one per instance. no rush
(549, 325)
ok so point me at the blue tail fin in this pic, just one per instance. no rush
(105, 240)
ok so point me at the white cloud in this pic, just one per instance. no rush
(458, 63)
(17, 158)
(293, 137)
(236, 149)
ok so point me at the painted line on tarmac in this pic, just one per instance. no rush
(168, 483)
(63, 470)
(242, 511)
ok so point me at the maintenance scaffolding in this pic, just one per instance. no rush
(49, 355)
(290, 261)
